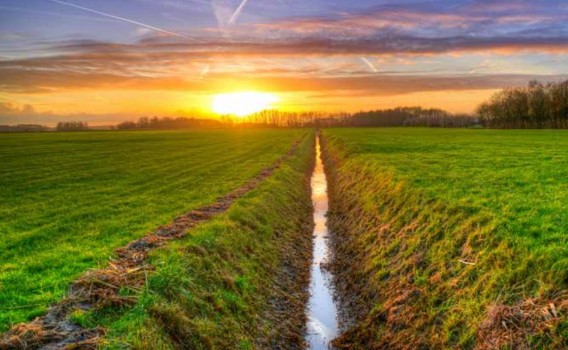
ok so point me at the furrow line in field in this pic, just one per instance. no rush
(100, 288)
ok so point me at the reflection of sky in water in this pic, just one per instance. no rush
(322, 312)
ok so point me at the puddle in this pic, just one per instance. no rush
(322, 310)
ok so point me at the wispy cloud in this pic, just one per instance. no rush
(87, 62)
(23, 80)
(238, 12)
(124, 19)
(55, 14)
(476, 18)
(369, 64)
(380, 45)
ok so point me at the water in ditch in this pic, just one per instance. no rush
(322, 310)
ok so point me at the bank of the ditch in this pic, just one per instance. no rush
(417, 273)
(238, 281)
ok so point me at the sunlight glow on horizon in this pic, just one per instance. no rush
(242, 104)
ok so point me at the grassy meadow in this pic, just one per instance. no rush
(441, 238)
(70, 199)
(445, 230)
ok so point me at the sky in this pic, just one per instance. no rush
(104, 61)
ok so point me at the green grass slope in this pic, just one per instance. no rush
(70, 199)
(238, 281)
(450, 238)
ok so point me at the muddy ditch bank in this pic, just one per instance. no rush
(129, 269)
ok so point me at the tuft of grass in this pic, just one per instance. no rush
(82, 318)
(70, 199)
(447, 236)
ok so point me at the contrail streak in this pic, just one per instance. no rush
(232, 20)
(475, 69)
(119, 18)
(369, 64)
(57, 14)
(238, 11)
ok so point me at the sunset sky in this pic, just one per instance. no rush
(104, 61)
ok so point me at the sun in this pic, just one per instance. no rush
(242, 104)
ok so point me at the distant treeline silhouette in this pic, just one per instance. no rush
(23, 128)
(411, 116)
(267, 118)
(72, 126)
(155, 123)
(402, 116)
(276, 118)
(534, 106)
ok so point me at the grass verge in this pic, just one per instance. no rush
(434, 245)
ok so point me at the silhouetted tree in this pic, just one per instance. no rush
(533, 106)
(126, 125)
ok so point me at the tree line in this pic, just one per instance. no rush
(535, 106)
(401, 116)
(411, 116)
(72, 126)
(155, 123)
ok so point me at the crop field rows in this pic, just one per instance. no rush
(439, 238)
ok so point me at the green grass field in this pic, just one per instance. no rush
(420, 200)
(442, 238)
(237, 281)
(70, 199)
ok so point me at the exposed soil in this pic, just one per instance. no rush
(128, 270)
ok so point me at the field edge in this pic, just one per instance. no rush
(413, 273)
